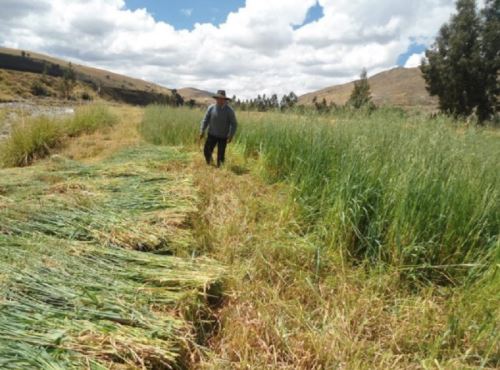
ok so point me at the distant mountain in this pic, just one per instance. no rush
(401, 87)
(201, 97)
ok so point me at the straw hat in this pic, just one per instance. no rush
(221, 94)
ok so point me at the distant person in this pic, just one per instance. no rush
(221, 123)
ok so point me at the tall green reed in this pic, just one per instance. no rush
(419, 194)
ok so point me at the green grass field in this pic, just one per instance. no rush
(346, 240)
(386, 196)
(420, 196)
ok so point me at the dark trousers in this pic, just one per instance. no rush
(210, 144)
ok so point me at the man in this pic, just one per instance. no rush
(221, 123)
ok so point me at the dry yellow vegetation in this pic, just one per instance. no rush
(399, 87)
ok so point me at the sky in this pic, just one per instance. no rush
(246, 47)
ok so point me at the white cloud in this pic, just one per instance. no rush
(256, 50)
(187, 12)
(414, 60)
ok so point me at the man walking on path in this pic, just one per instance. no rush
(221, 122)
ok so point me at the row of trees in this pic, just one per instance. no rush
(462, 66)
(360, 99)
(265, 103)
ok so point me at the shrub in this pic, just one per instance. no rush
(30, 140)
(86, 96)
(36, 137)
(89, 118)
(39, 89)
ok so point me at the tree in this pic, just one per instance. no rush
(284, 102)
(491, 53)
(45, 71)
(320, 106)
(456, 69)
(361, 95)
(273, 101)
(68, 81)
(177, 99)
(288, 101)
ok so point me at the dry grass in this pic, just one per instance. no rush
(106, 78)
(15, 85)
(103, 143)
(3, 114)
(402, 87)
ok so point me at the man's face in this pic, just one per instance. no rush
(220, 101)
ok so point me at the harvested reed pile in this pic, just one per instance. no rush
(77, 289)
(126, 201)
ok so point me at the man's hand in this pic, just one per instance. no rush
(229, 139)
(201, 136)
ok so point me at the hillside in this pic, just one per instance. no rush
(402, 87)
(21, 67)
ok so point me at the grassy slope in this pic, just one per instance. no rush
(295, 299)
(15, 84)
(78, 290)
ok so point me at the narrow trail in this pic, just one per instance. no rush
(248, 226)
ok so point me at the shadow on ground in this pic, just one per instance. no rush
(239, 170)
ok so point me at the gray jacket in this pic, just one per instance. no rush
(221, 121)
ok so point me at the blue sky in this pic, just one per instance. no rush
(415, 48)
(183, 14)
(313, 14)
